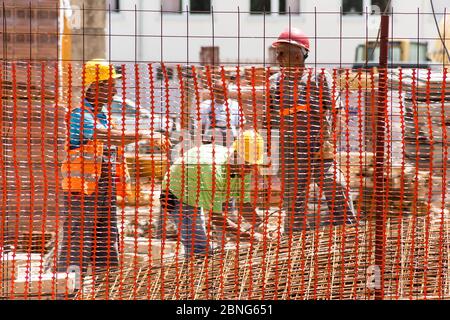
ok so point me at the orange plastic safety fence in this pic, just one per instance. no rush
(190, 182)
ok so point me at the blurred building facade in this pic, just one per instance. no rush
(141, 32)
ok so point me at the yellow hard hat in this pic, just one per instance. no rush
(104, 72)
(250, 146)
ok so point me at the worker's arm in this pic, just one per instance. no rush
(84, 127)
(230, 228)
(243, 117)
(333, 105)
(248, 212)
(201, 120)
(118, 138)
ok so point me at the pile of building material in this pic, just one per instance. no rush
(35, 242)
(427, 119)
(407, 190)
(416, 178)
(142, 194)
(146, 172)
(143, 251)
(427, 116)
(23, 277)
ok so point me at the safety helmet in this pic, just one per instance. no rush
(104, 72)
(250, 147)
(293, 36)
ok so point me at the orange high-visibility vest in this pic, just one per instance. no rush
(298, 107)
(82, 167)
(326, 148)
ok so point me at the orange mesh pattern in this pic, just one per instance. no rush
(264, 243)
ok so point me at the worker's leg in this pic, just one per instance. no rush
(229, 206)
(249, 213)
(105, 253)
(297, 209)
(167, 204)
(75, 246)
(190, 224)
(340, 206)
(299, 175)
(287, 174)
(220, 220)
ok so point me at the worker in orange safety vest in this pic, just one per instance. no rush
(93, 166)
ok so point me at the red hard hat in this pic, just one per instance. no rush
(293, 36)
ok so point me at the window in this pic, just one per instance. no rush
(116, 108)
(160, 74)
(43, 38)
(131, 111)
(42, 14)
(259, 6)
(289, 6)
(171, 6)
(53, 14)
(20, 38)
(352, 7)
(53, 38)
(115, 5)
(21, 14)
(419, 49)
(372, 55)
(200, 6)
(382, 4)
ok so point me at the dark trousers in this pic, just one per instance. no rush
(299, 172)
(90, 233)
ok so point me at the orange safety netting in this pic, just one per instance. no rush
(202, 182)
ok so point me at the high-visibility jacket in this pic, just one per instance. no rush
(82, 167)
(290, 108)
(326, 147)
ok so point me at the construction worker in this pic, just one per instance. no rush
(220, 121)
(301, 113)
(217, 121)
(200, 182)
(90, 233)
